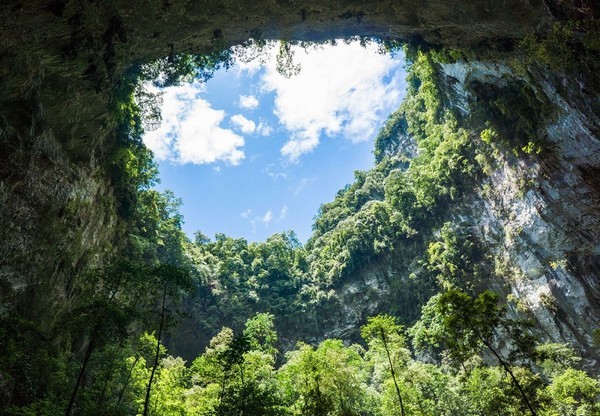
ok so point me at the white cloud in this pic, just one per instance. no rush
(274, 174)
(243, 124)
(267, 217)
(283, 213)
(263, 129)
(345, 89)
(248, 102)
(256, 220)
(277, 175)
(191, 130)
(247, 126)
(302, 185)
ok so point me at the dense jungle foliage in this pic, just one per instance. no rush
(444, 346)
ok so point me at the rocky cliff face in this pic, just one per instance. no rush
(539, 215)
(535, 217)
(540, 218)
(60, 62)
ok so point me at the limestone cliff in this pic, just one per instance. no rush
(535, 218)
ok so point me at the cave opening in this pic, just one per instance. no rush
(93, 262)
(255, 148)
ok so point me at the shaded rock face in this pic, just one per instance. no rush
(60, 61)
(69, 54)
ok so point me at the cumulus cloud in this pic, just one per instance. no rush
(243, 124)
(346, 90)
(191, 130)
(248, 102)
(263, 129)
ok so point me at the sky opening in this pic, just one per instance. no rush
(252, 152)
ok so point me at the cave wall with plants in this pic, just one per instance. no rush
(487, 175)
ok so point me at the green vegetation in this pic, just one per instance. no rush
(566, 43)
(461, 355)
(237, 375)
(513, 112)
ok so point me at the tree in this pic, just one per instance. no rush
(573, 393)
(463, 325)
(170, 280)
(235, 376)
(328, 380)
(142, 348)
(382, 331)
(169, 390)
(107, 309)
(260, 333)
(491, 390)
(555, 358)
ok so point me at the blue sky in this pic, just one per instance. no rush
(252, 152)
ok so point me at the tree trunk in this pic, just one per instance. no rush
(508, 370)
(90, 348)
(105, 385)
(137, 358)
(86, 360)
(157, 354)
(387, 351)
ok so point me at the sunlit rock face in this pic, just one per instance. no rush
(59, 64)
(540, 215)
(536, 218)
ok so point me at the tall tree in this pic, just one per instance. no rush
(106, 310)
(382, 331)
(171, 281)
(464, 324)
(327, 380)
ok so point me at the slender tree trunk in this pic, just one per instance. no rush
(105, 386)
(157, 354)
(137, 358)
(86, 360)
(90, 349)
(508, 370)
(387, 351)
(462, 364)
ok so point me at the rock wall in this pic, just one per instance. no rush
(540, 215)
(536, 218)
